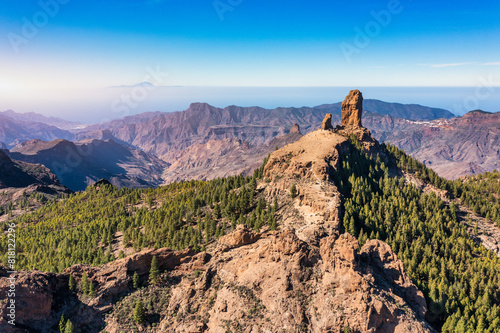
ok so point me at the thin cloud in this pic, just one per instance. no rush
(452, 64)
(491, 64)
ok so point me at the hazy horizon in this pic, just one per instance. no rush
(99, 105)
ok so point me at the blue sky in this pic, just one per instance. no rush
(80, 45)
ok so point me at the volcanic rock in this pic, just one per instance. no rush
(327, 122)
(295, 128)
(352, 108)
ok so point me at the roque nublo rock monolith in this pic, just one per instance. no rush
(352, 108)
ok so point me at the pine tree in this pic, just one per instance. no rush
(139, 313)
(84, 285)
(293, 191)
(91, 289)
(71, 282)
(62, 324)
(69, 328)
(135, 280)
(154, 273)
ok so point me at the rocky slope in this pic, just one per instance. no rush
(308, 276)
(454, 147)
(21, 181)
(79, 164)
(222, 158)
(271, 282)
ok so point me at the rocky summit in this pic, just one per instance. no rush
(352, 108)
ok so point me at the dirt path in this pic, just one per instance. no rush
(487, 233)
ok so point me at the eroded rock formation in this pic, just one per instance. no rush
(327, 122)
(352, 109)
(295, 128)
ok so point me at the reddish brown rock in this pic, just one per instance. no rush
(381, 258)
(327, 122)
(352, 109)
(295, 128)
(241, 236)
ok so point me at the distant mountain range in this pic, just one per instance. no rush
(454, 147)
(38, 118)
(15, 128)
(204, 141)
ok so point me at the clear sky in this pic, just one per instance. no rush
(68, 46)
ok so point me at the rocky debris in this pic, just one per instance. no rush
(327, 122)
(352, 109)
(295, 128)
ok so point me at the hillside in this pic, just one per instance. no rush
(79, 164)
(334, 232)
(25, 186)
(453, 148)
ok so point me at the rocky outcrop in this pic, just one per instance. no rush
(257, 282)
(327, 122)
(41, 297)
(295, 128)
(241, 236)
(352, 109)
